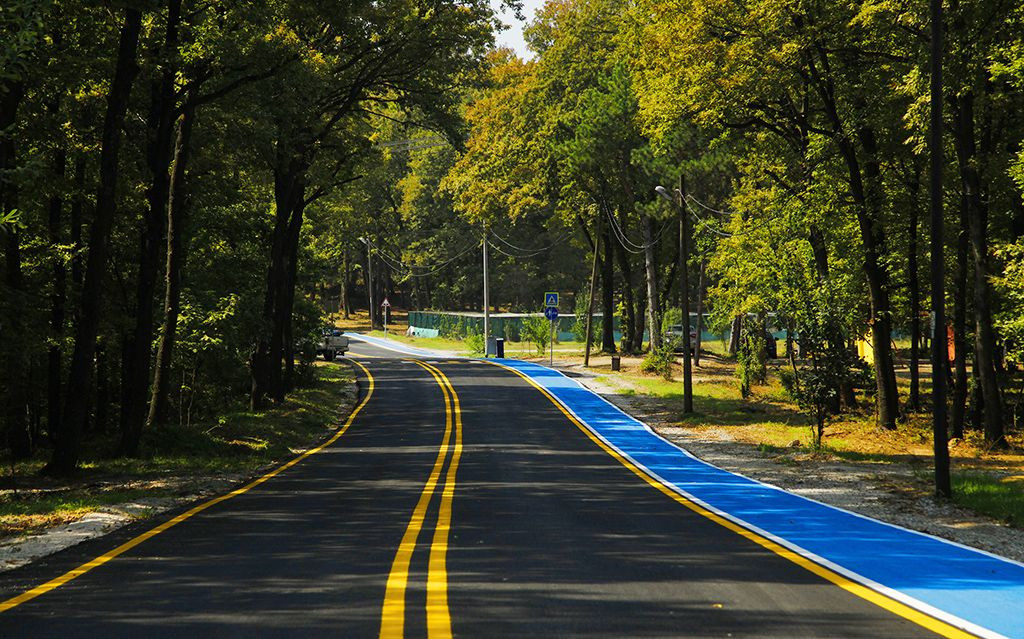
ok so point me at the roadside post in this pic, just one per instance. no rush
(386, 305)
(551, 312)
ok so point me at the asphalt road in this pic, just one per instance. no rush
(537, 532)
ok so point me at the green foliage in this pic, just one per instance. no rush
(659, 362)
(537, 330)
(751, 366)
(579, 325)
(829, 366)
(475, 341)
(1010, 286)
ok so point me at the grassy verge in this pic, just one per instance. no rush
(459, 347)
(999, 497)
(985, 481)
(178, 461)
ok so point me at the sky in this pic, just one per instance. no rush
(514, 37)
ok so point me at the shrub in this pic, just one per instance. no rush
(537, 330)
(579, 327)
(751, 365)
(659, 361)
(475, 342)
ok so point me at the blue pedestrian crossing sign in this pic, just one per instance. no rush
(551, 299)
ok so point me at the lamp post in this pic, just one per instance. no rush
(680, 201)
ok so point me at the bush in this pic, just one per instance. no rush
(659, 361)
(751, 365)
(475, 342)
(579, 327)
(537, 330)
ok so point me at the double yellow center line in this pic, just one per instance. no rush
(439, 624)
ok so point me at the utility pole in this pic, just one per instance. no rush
(487, 301)
(590, 300)
(369, 278)
(679, 199)
(684, 257)
(939, 353)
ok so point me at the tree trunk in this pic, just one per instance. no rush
(58, 296)
(865, 184)
(14, 362)
(136, 374)
(977, 208)
(959, 405)
(65, 451)
(177, 218)
(288, 295)
(289, 189)
(913, 401)
(653, 312)
(77, 203)
(734, 334)
(873, 237)
(346, 304)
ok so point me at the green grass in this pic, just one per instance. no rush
(459, 347)
(1001, 498)
(73, 500)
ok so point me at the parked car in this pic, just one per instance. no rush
(332, 343)
(771, 348)
(674, 337)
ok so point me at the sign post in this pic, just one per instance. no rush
(386, 305)
(551, 313)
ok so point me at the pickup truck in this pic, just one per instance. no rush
(332, 343)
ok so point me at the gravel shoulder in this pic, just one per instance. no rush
(897, 493)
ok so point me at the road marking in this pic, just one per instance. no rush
(439, 622)
(44, 588)
(392, 623)
(860, 590)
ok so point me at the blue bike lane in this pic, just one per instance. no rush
(964, 587)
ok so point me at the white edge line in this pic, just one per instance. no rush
(410, 350)
(873, 585)
(770, 486)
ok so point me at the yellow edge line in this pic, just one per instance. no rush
(156, 530)
(439, 622)
(864, 592)
(392, 621)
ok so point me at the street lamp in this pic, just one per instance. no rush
(684, 257)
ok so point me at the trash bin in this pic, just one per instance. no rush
(615, 362)
(499, 347)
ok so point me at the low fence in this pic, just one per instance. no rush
(509, 325)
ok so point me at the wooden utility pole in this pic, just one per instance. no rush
(684, 257)
(590, 300)
(487, 301)
(939, 353)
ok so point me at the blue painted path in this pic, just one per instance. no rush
(968, 588)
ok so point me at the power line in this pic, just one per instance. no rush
(530, 252)
(406, 269)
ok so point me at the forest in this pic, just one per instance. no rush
(190, 189)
